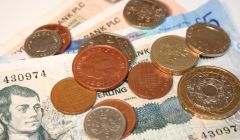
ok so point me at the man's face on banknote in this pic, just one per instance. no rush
(26, 113)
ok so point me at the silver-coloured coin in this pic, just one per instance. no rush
(114, 40)
(145, 13)
(105, 123)
(43, 43)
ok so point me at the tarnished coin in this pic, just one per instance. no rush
(145, 13)
(207, 40)
(127, 111)
(43, 43)
(69, 97)
(101, 67)
(209, 92)
(62, 31)
(105, 123)
(147, 81)
(171, 55)
(114, 40)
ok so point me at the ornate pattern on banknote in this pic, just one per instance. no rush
(157, 116)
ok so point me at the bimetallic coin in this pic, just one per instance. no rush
(209, 92)
(69, 97)
(127, 111)
(100, 68)
(62, 31)
(119, 42)
(207, 40)
(42, 43)
(171, 55)
(147, 81)
(105, 123)
(145, 13)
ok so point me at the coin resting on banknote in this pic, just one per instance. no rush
(145, 13)
(207, 40)
(209, 92)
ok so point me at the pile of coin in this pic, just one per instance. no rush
(103, 63)
(48, 40)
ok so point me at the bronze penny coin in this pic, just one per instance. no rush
(42, 43)
(105, 123)
(127, 111)
(62, 31)
(69, 97)
(209, 92)
(207, 40)
(145, 13)
(147, 81)
(114, 40)
(171, 54)
(100, 68)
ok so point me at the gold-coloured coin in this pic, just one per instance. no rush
(114, 40)
(145, 13)
(171, 55)
(209, 92)
(207, 40)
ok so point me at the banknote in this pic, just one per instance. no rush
(76, 14)
(68, 13)
(212, 12)
(162, 118)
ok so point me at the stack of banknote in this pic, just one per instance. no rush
(29, 79)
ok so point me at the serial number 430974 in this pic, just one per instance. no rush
(217, 132)
(24, 76)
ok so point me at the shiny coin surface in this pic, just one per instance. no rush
(207, 40)
(42, 43)
(69, 97)
(101, 67)
(171, 55)
(127, 111)
(147, 81)
(209, 92)
(62, 31)
(119, 42)
(145, 13)
(105, 123)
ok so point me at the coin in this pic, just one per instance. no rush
(145, 13)
(62, 31)
(127, 111)
(69, 97)
(114, 40)
(147, 81)
(209, 92)
(101, 67)
(207, 40)
(171, 55)
(105, 123)
(42, 43)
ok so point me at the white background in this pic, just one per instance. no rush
(17, 15)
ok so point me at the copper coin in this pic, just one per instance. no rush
(209, 92)
(69, 97)
(145, 13)
(207, 40)
(42, 43)
(171, 54)
(62, 31)
(127, 111)
(101, 67)
(105, 123)
(114, 40)
(147, 81)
